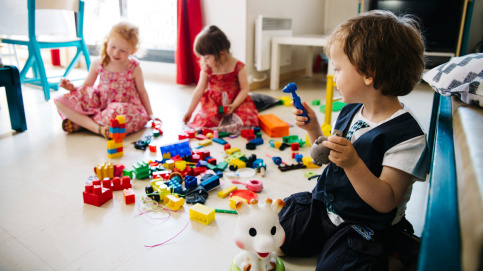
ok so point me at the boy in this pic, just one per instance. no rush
(353, 215)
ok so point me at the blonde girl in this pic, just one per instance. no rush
(120, 89)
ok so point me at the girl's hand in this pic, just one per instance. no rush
(230, 109)
(187, 117)
(342, 152)
(300, 120)
(65, 83)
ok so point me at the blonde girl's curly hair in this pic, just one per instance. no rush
(125, 30)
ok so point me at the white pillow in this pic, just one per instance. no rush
(461, 76)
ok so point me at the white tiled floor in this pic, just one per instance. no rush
(44, 224)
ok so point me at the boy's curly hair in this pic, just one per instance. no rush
(381, 45)
(125, 30)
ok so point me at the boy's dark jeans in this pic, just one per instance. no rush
(309, 232)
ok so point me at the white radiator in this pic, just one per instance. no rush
(265, 29)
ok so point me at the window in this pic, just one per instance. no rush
(156, 20)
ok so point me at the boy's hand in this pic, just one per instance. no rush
(65, 83)
(342, 152)
(300, 120)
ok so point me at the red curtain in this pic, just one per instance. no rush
(189, 25)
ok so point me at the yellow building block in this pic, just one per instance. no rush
(308, 162)
(234, 200)
(232, 151)
(180, 165)
(205, 142)
(169, 164)
(225, 192)
(307, 140)
(167, 155)
(277, 144)
(287, 101)
(173, 202)
(237, 162)
(111, 144)
(115, 155)
(121, 119)
(161, 187)
(202, 213)
(105, 170)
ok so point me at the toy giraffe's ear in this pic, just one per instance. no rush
(277, 205)
(242, 207)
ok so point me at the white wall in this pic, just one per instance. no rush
(230, 17)
(237, 19)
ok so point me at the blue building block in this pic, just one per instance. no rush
(298, 158)
(220, 141)
(182, 148)
(175, 186)
(190, 182)
(210, 183)
(256, 141)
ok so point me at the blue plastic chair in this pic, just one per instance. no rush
(10, 79)
(34, 59)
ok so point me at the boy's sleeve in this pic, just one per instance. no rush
(409, 156)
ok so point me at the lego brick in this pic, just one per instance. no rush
(117, 183)
(202, 213)
(190, 182)
(225, 192)
(220, 141)
(211, 183)
(128, 195)
(174, 202)
(232, 150)
(96, 195)
(273, 125)
(205, 142)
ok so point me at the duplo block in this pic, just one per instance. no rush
(202, 213)
(273, 125)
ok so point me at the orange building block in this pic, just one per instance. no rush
(273, 125)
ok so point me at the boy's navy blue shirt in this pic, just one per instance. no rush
(334, 188)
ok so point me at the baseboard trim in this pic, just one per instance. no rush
(283, 77)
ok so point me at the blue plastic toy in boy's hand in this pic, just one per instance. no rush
(291, 88)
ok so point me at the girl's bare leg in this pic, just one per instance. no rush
(79, 119)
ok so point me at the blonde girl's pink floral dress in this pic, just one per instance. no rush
(222, 90)
(116, 94)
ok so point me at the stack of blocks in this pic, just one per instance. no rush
(117, 130)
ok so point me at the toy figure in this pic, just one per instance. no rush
(259, 234)
(320, 153)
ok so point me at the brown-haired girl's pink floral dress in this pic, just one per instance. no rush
(222, 90)
(116, 94)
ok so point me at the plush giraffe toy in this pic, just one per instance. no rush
(259, 233)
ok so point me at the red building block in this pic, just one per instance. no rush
(226, 146)
(117, 183)
(248, 134)
(183, 136)
(294, 146)
(129, 196)
(201, 137)
(96, 195)
(293, 154)
(211, 161)
(198, 170)
(206, 131)
(191, 133)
